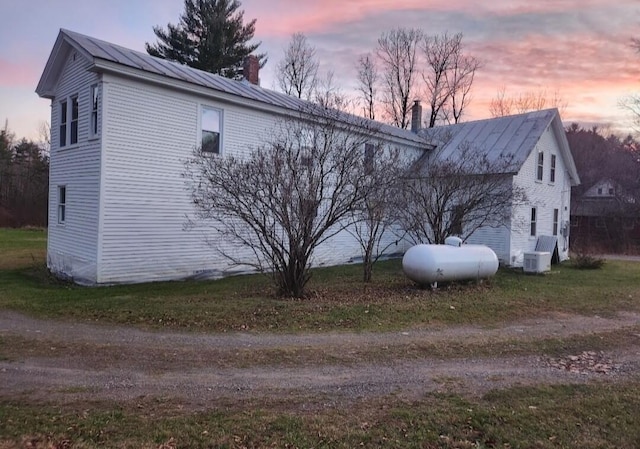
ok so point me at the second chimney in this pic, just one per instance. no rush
(251, 69)
(416, 116)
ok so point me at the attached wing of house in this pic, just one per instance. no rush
(540, 163)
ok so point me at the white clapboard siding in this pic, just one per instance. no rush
(151, 132)
(72, 246)
(496, 238)
(543, 195)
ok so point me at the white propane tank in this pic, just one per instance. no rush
(429, 264)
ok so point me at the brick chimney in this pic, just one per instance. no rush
(251, 69)
(416, 116)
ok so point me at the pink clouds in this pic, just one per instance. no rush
(18, 74)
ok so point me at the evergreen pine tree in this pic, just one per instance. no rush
(210, 36)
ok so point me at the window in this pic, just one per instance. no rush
(533, 221)
(210, 141)
(556, 214)
(63, 123)
(73, 139)
(93, 127)
(599, 190)
(540, 166)
(457, 216)
(62, 203)
(69, 112)
(610, 190)
(369, 151)
(552, 174)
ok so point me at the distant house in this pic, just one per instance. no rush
(606, 218)
(542, 166)
(123, 123)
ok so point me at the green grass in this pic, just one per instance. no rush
(584, 416)
(338, 299)
(21, 248)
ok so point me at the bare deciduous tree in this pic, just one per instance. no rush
(458, 195)
(460, 80)
(448, 77)
(631, 104)
(297, 72)
(374, 216)
(289, 196)
(397, 52)
(44, 136)
(329, 95)
(502, 105)
(368, 84)
(440, 52)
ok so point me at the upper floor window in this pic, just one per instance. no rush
(93, 126)
(552, 173)
(68, 130)
(63, 124)
(210, 123)
(73, 138)
(540, 171)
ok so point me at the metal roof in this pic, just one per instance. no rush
(511, 137)
(101, 50)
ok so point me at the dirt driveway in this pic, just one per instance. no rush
(62, 361)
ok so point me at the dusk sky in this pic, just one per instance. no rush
(579, 48)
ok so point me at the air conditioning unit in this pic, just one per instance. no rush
(537, 262)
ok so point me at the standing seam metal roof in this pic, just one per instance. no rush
(512, 136)
(99, 49)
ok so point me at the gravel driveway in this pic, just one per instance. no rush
(69, 360)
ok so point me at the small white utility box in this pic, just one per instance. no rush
(537, 262)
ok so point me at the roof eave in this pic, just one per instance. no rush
(566, 150)
(52, 69)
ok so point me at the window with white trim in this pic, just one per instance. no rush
(62, 204)
(534, 219)
(210, 122)
(552, 172)
(69, 116)
(63, 123)
(556, 214)
(540, 171)
(93, 124)
(73, 137)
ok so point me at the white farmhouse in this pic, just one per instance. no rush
(123, 123)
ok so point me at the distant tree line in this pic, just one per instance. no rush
(24, 181)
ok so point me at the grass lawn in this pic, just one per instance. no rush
(338, 299)
(593, 415)
(578, 416)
